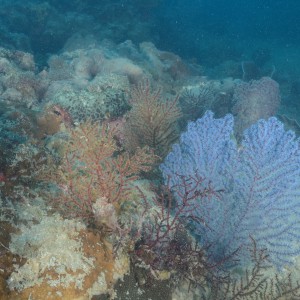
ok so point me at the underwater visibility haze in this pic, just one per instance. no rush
(150, 149)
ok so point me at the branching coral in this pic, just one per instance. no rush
(255, 282)
(151, 122)
(165, 246)
(95, 174)
(195, 100)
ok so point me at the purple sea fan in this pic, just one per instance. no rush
(206, 149)
(267, 184)
(259, 186)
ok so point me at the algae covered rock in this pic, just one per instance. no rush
(104, 96)
(63, 260)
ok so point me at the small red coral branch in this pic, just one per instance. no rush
(165, 242)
